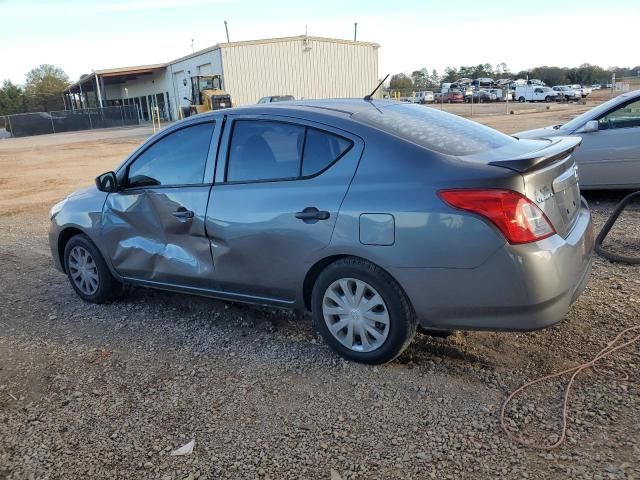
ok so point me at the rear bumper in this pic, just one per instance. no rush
(520, 287)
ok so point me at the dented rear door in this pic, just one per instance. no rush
(154, 228)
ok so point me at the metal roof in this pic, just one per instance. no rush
(119, 72)
(243, 43)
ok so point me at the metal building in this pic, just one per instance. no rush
(304, 66)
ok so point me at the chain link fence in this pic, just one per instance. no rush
(41, 123)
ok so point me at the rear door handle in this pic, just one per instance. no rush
(183, 213)
(312, 213)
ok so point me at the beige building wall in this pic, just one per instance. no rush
(305, 67)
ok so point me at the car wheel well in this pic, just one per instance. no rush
(315, 271)
(63, 239)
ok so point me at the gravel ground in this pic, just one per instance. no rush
(108, 391)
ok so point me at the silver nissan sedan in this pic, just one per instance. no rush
(376, 216)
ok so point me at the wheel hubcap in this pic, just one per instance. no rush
(83, 270)
(356, 314)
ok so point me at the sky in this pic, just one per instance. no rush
(81, 35)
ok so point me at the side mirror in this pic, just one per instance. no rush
(107, 182)
(590, 126)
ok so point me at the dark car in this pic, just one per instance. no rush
(375, 215)
(479, 96)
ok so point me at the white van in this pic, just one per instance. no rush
(422, 97)
(534, 93)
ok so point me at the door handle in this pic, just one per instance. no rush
(312, 213)
(183, 213)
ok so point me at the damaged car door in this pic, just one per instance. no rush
(154, 226)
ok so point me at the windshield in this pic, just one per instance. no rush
(595, 112)
(435, 130)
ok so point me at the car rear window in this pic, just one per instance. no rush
(433, 129)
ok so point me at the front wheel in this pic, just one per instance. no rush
(361, 312)
(87, 271)
(521, 99)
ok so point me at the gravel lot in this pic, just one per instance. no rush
(108, 391)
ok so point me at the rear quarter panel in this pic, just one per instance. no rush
(401, 179)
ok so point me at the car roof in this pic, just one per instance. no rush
(342, 107)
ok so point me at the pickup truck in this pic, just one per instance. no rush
(534, 93)
(584, 91)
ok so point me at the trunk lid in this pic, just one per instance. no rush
(550, 180)
(549, 173)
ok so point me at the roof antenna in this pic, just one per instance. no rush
(369, 97)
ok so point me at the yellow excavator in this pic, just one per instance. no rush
(206, 95)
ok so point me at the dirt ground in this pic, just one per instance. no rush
(107, 391)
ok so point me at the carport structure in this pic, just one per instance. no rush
(110, 87)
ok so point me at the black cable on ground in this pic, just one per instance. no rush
(615, 257)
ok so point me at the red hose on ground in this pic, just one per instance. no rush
(605, 352)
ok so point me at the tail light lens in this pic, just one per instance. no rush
(517, 217)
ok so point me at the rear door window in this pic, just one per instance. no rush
(321, 149)
(435, 130)
(264, 150)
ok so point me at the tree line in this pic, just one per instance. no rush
(41, 92)
(585, 74)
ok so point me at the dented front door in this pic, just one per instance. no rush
(159, 235)
(153, 228)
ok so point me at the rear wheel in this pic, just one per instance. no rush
(361, 312)
(547, 99)
(87, 271)
(521, 99)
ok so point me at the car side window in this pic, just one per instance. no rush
(626, 116)
(321, 149)
(264, 150)
(177, 159)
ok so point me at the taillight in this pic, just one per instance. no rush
(517, 217)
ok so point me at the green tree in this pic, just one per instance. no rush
(11, 98)
(44, 87)
(434, 78)
(420, 79)
(402, 82)
(450, 75)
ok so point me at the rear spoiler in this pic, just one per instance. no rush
(559, 149)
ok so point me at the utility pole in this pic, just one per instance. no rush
(226, 29)
(355, 31)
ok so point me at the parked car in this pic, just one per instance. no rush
(566, 93)
(422, 97)
(583, 91)
(375, 215)
(609, 157)
(596, 86)
(500, 95)
(453, 96)
(531, 93)
(480, 96)
(276, 98)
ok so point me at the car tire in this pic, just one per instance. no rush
(380, 297)
(547, 99)
(88, 272)
(521, 99)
